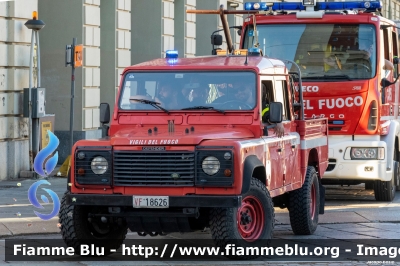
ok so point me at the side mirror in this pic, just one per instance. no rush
(239, 32)
(385, 83)
(216, 39)
(275, 112)
(104, 113)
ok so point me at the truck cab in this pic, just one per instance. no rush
(187, 147)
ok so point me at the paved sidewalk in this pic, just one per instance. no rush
(17, 215)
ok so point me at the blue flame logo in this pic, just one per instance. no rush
(48, 168)
(32, 198)
(44, 153)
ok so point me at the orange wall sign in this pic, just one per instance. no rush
(78, 55)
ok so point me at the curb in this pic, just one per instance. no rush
(28, 226)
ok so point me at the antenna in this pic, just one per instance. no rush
(247, 54)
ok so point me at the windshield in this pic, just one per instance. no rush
(214, 91)
(321, 50)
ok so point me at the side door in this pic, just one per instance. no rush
(288, 148)
(273, 156)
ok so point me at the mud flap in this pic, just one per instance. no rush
(321, 199)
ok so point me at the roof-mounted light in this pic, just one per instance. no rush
(371, 5)
(255, 51)
(256, 6)
(288, 6)
(308, 2)
(263, 6)
(172, 61)
(171, 54)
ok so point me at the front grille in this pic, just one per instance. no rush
(153, 168)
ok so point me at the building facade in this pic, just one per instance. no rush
(114, 34)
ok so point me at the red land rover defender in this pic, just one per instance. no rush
(187, 148)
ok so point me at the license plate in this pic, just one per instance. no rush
(150, 202)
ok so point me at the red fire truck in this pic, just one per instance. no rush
(346, 52)
(187, 148)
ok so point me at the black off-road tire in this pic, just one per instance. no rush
(396, 168)
(369, 185)
(225, 227)
(76, 229)
(304, 205)
(385, 190)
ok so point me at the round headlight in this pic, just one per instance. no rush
(99, 165)
(210, 165)
(370, 153)
(356, 153)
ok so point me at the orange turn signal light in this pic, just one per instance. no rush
(227, 172)
(81, 171)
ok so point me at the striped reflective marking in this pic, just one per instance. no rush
(313, 143)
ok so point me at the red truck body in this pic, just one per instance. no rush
(197, 163)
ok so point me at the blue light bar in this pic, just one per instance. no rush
(369, 5)
(254, 51)
(255, 6)
(172, 61)
(288, 6)
(373, 5)
(171, 54)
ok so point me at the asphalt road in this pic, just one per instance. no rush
(351, 214)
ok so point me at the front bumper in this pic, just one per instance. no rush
(345, 169)
(174, 201)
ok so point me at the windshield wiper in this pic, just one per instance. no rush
(339, 76)
(152, 103)
(329, 77)
(203, 108)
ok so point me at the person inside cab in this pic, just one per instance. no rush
(238, 95)
(267, 97)
(333, 63)
(199, 95)
(244, 92)
(388, 66)
(167, 96)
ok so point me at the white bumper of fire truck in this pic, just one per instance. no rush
(342, 166)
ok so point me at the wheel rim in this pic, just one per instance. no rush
(313, 202)
(250, 218)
